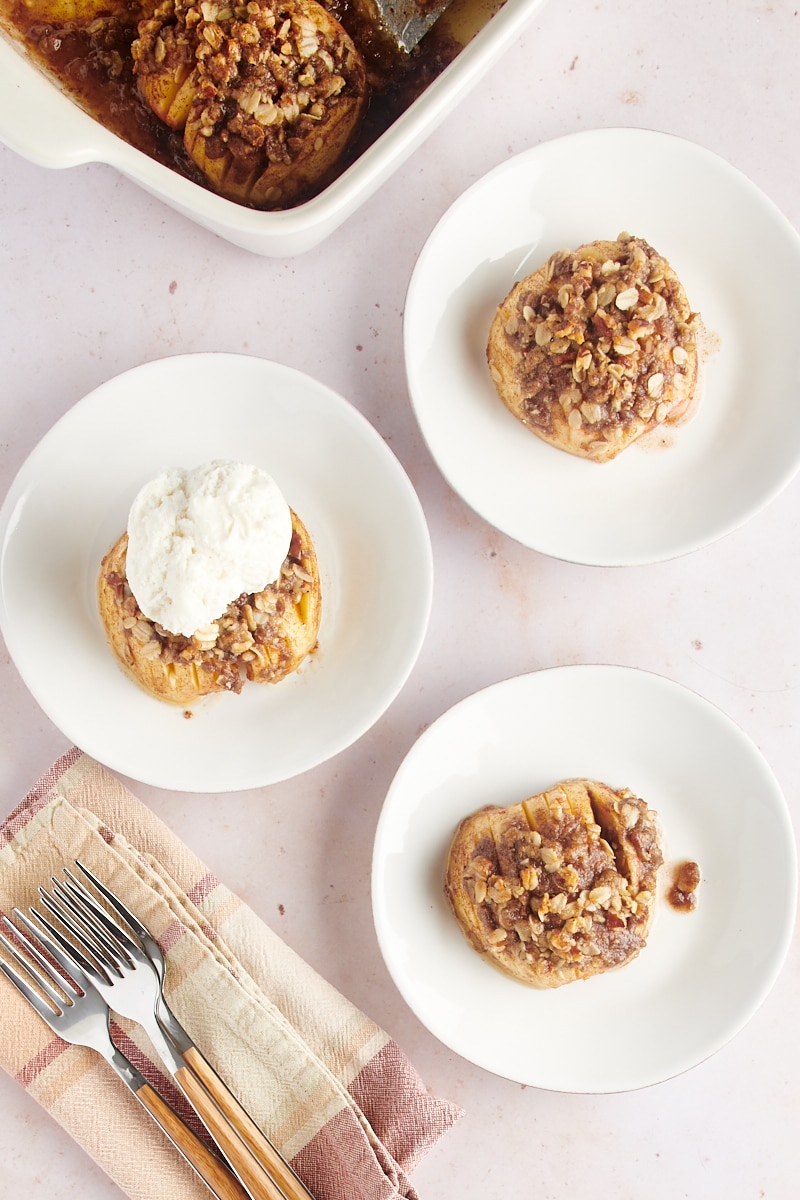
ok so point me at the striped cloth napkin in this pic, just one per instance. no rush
(330, 1088)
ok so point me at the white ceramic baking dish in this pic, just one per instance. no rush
(43, 125)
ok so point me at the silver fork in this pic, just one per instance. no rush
(128, 971)
(78, 1014)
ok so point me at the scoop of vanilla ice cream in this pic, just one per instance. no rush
(198, 538)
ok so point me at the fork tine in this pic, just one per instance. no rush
(43, 978)
(133, 922)
(62, 950)
(90, 906)
(14, 974)
(81, 926)
(34, 999)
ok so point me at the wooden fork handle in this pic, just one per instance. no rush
(262, 1151)
(217, 1117)
(214, 1173)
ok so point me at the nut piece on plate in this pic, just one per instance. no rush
(560, 887)
(268, 95)
(189, 549)
(596, 347)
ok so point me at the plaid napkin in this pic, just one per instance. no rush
(330, 1088)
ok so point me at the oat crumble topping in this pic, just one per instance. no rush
(609, 341)
(564, 897)
(266, 77)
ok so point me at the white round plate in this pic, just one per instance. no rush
(701, 975)
(739, 260)
(70, 502)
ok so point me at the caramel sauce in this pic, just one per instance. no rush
(89, 59)
(682, 895)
